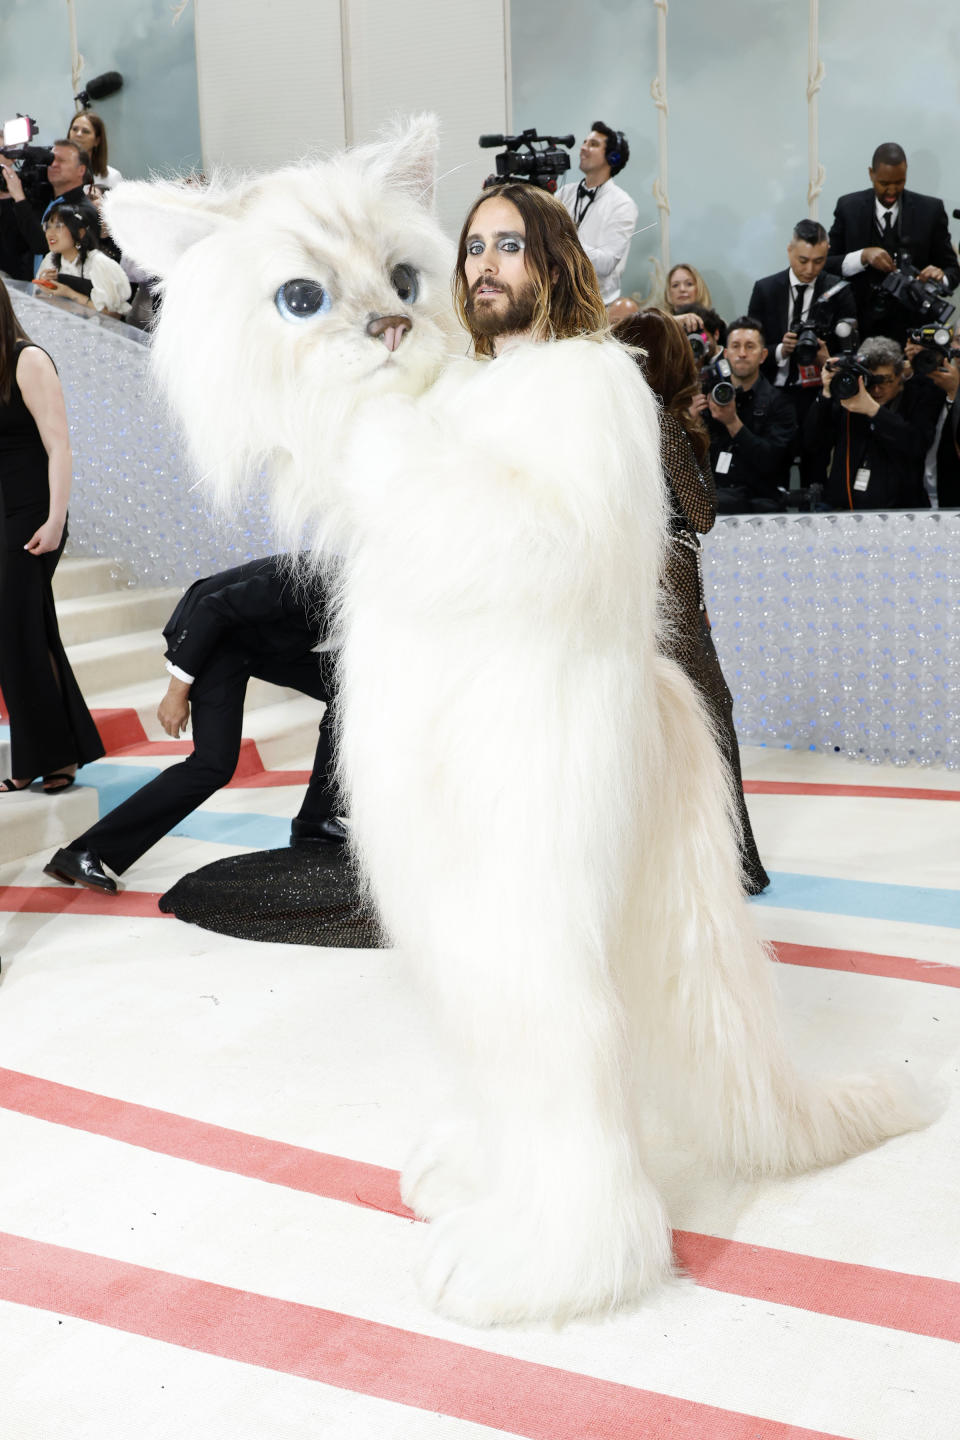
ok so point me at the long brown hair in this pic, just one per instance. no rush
(567, 306)
(98, 150)
(701, 295)
(669, 368)
(10, 332)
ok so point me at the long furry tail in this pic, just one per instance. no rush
(712, 1035)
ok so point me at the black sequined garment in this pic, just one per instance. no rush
(301, 895)
(689, 642)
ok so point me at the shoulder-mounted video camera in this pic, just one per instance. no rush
(31, 161)
(535, 159)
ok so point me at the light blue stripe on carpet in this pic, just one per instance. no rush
(868, 899)
(116, 783)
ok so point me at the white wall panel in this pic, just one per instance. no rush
(270, 80)
(411, 55)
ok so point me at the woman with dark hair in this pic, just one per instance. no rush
(89, 131)
(671, 372)
(51, 730)
(75, 267)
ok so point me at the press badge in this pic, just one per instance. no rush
(723, 463)
(862, 480)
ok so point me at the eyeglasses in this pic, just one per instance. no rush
(54, 225)
(878, 380)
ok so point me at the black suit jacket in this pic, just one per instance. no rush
(770, 303)
(922, 229)
(948, 460)
(258, 607)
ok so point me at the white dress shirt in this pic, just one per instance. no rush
(111, 288)
(852, 264)
(606, 229)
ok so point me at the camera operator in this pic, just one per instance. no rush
(880, 431)
(870, 230)
(791, 304)
(604, 215)
(68, 175)
(751, 435)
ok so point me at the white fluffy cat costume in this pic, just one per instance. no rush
(534, 794)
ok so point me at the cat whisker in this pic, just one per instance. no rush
(436, 181)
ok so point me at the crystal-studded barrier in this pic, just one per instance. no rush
(134, 499)
(839, 632)
(835, 632)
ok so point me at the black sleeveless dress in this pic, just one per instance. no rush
(50, 725)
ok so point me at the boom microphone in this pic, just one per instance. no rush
(100, 87)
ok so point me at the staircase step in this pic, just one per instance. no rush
(84, 576)
(118, 612)
(142, 700)
(103, 665)
(285, 734)
(34, 822)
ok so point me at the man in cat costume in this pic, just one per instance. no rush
(566, 883)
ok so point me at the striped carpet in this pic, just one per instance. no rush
(200, 1225)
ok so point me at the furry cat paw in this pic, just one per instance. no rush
(488, 1265)
(440, 1175)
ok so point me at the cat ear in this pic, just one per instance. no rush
(408, 154)
(155, 222)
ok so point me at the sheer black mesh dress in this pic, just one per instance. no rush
(689, 642)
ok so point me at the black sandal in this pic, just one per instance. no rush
(62, 775)
(10, 787)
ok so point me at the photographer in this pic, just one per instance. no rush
(872, 228)
(604, 215)
(705, 330)
(879, 432)
(941, 473)
(752, 435)
(791, 304)
(66, 178)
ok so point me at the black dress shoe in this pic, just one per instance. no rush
(80, 867)
(331, 831)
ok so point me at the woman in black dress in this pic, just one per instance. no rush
(51, 729)
(671, 373)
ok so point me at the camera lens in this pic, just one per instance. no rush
(722, 393)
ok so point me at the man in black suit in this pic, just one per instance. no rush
(787, 302)
(873, 228)
(255, 620)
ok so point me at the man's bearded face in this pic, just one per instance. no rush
(501, 297)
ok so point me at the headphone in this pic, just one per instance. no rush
(615, 155)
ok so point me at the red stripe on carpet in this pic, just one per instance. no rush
(861, 962)
(536, 1401)
(55, 899)
(254, 1156)
(888, 1298)
(917, 1304)
(856, 792)
(119, 727)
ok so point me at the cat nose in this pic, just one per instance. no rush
(389, 328)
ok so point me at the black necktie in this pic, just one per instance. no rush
(887, 228)
(793, 370)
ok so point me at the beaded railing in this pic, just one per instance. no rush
(134, 499)
(834, 631)
(840, 632)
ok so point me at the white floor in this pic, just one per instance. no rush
(160, 1278)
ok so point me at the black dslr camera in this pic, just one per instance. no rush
(925, 301)
(819, 325)
(847, 373)
(936, 348)
(522, 160)
(31, 161)
(715, 381)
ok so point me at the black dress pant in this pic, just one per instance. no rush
(216, 699)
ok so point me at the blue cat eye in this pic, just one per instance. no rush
(406, 282)
(302, 300)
